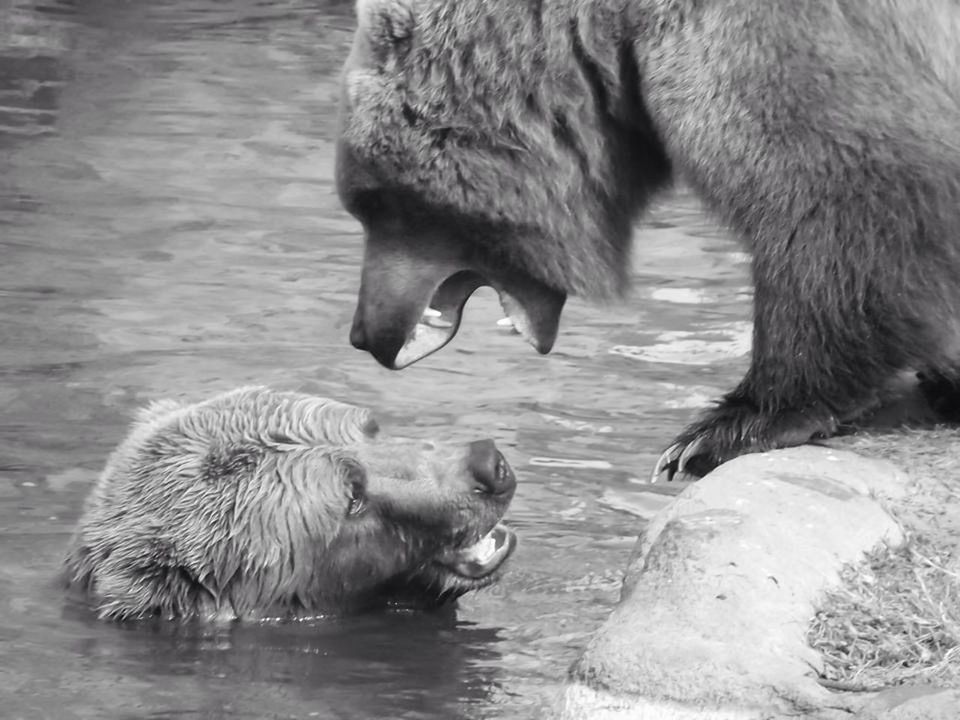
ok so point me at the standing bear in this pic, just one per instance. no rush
(266, 504)
(514, 144)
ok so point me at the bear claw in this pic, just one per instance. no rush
(736, 427)
(673, 461)
(667, 458)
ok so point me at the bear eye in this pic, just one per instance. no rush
(356, 480)
(358, 499)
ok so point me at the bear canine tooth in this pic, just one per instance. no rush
(434, 318)
(505, 322)
(436, 322)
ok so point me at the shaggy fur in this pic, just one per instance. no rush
(262, 503)
(529, 135)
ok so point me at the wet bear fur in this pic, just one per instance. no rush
(825, 135)
(266, 504)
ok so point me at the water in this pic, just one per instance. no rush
(170, 229)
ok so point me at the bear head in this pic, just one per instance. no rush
(259, 503)
(489, 142)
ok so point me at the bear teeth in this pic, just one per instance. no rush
(517, 316)
(484, 550)
(434, 318)
(521, 326)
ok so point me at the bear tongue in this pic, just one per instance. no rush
(430, 334)
(484, 556)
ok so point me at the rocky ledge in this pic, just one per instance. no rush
(718, 596)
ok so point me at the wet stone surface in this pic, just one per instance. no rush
(170, 229)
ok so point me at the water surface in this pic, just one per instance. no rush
(170, 229)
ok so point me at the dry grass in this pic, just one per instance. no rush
(895, 619)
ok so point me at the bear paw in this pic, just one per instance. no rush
(737, 427)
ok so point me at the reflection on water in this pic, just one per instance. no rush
(169, 228)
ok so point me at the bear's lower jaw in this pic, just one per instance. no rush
(534, 311)
(532, 308)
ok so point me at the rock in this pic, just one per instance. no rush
(717, 599)
(912, 703)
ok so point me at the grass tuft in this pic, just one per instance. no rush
(895, 618)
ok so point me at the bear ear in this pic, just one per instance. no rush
(157, 410)
(370, 426)
(338, 423)
(386, 23)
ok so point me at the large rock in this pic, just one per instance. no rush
(912, 703)
(717, 599)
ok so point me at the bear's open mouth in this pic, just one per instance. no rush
(453, 573)
(480, 560)
(532, 308)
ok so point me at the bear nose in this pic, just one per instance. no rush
(490, 468)
(358, 337)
